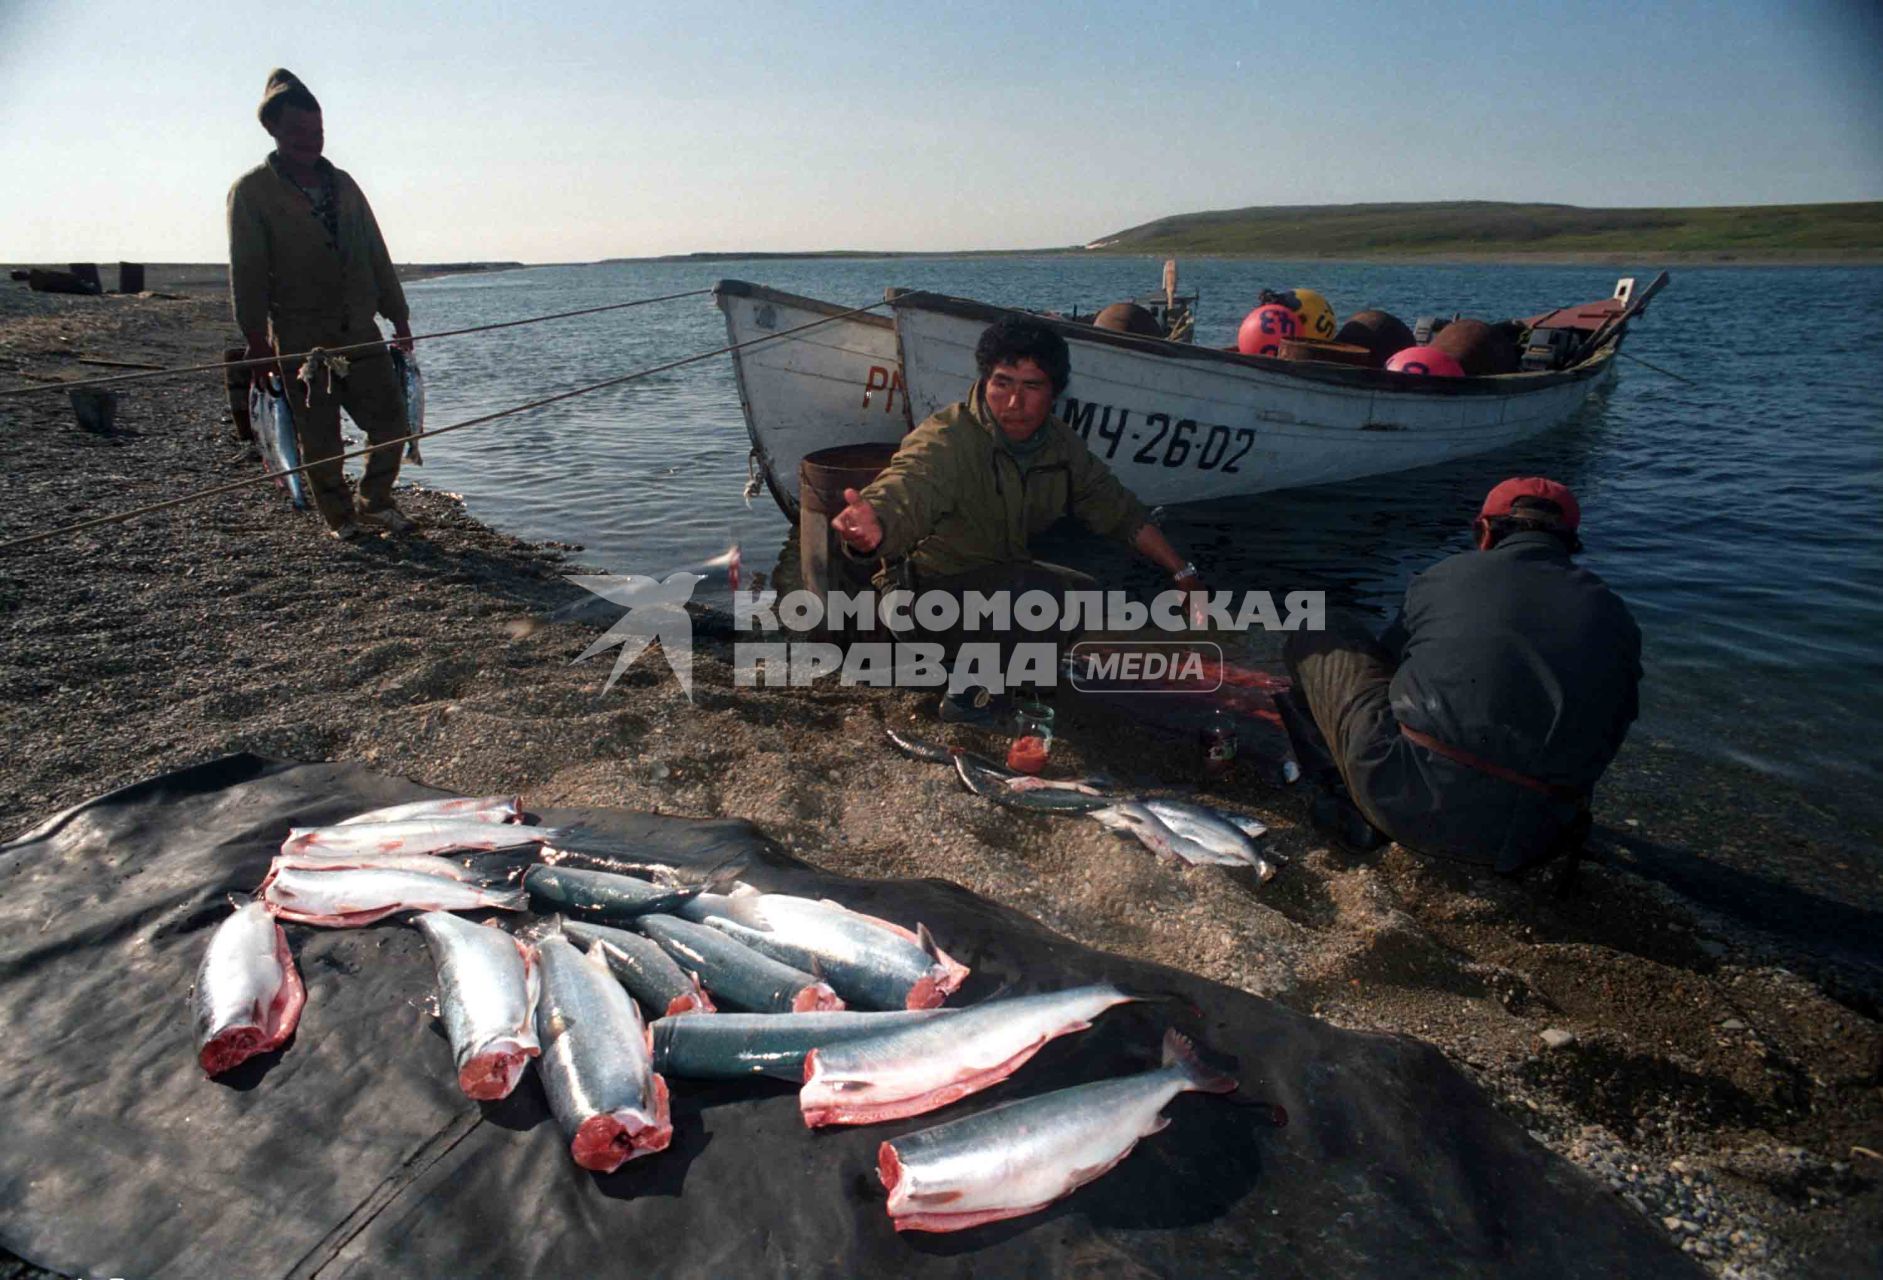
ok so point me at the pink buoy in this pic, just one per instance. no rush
(1429, 361)
(1264, 328)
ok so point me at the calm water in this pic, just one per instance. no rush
(1741, 518)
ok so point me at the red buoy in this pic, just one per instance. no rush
(1264, 328)
(1429, 361)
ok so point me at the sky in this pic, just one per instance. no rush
(578, 130)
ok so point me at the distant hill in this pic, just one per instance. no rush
(1484, 227)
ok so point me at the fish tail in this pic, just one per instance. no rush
(517, 899)
(1180, 1053)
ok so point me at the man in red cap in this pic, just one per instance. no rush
(1477, 725)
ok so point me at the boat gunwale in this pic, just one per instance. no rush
(1343, 376)
(765, 293)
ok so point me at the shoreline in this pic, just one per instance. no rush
(1718, 1071)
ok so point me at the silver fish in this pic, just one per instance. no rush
(917, 748)
(1213, 830)
(419, 835)
(248, 994)
(476, 808)
(871, 963)
(272, 421)
(765, 1044)
(348, 899)
(487, 991)
(736, 973)
(1021, 1156)
(601, 1082)
(644, 968)
(1132, 818)
(912, 1070)
(412, 383)
(993, 784)
(425, 864)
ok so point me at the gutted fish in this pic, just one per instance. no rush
(601, 1082)
(647, 971)
(347, 899)
(248, 994)
(487, 990)
(603, 895)
(998, 786)
(426, 864)
(419, 835)
(912, 1070)
(477, 808)
(1019, 1157)
(733, 1046)
(871, 963)
(736, 973)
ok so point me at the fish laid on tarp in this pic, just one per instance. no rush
(596, 1069)
(425, 864)
(1212, 830)
(477, 808)
(248, 994)
(604, 895)
(420, 835)
(733, 1046)
(487, 992)
(992, 784)
(872, 963)
(1021, 1156)
(272, 420)
(737, 974)
(644, 968)
(912, 1070)
(348, 899)
(412, 383)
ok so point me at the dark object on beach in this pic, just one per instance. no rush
(40, 280)
(130, 277)
(1380, 332)
(87, 273)
(1216, 742)
(97, 409)
(1481, 348)
(19, 273)
(1128, 317)
(822, 478)
(1348, 353)
(237, 381)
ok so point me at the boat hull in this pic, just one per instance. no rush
(837, 384)
(1178, 423)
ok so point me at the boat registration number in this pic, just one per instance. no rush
(1156, 439)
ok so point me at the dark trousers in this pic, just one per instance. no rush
(371, 394)
(1339, 711)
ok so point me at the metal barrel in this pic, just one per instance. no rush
(130, 277)
(822, 478)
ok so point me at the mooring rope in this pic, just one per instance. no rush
(196, 496)
(375, 344)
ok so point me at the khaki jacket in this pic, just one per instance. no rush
(955, 498)
(287, 275)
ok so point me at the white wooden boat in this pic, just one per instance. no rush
(1176, 422)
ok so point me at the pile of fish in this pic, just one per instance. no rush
(846, 1005)
(1175, 830)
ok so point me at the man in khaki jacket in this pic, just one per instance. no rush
(308, 268)
(971, 485)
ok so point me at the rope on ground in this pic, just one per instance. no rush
(196, 496)
(375, 344)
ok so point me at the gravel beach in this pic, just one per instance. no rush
(1694, 1022)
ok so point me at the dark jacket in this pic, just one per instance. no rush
(288, 275)
(1518, 656)
(955, 498)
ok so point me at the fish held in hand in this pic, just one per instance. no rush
(735, 1046)
(476, 808)
(487, 992)
(421, 835)
(248, 995)
(647, 971)
(872, 963)
(349, 899)
(1020, 1157)
(596, 1069)
(913, 1070)
(735, 972)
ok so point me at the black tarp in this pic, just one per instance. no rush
(352, 1153)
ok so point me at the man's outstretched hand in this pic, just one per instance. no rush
(857, 524)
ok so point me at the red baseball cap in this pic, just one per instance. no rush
(1500, 501)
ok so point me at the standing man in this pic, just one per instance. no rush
(1477, 725)
(308, 268)
(970, 485)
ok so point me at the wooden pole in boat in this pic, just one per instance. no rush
(1170, 284)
